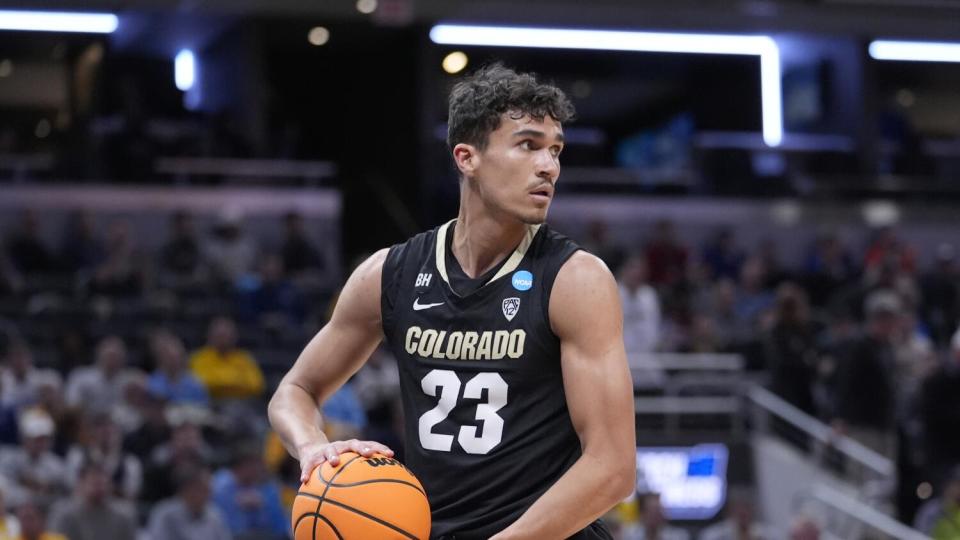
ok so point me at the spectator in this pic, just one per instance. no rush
(299, 257)
(80, 249)
(790, 347)
(886, 249)
(9, 524)
(153, 432)
(20, 380)
(641, 307)
(122, 272)
(180, 257)
(741, 523)
(27, 251)
(598, 242)
(828, 268)
(227, 371)
(100, 441)
(100, 387)
(229, 254)
(939, 517)
(172, 381)
(720, 307)
(865, 387)
(91, 514)
(343, 415)
(722, 256)
(248, 500)
(653, 522)
(804, 528)
(941, 295)
(190, 515)
(11, 282)
(50, 399)
(269, 297)
(34, 468)
(185, 448)
(940, 413)
(753, 298)
(666, 258)
(130, 412)
(33, 523)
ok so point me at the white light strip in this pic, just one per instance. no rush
(184, 69)
(915, 51)
(762, 46)
(58, 21)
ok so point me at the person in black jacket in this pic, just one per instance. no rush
(865, 393)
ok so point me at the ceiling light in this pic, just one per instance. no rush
(763, 47)
(455, 62)
(58, 21)
(318, 36)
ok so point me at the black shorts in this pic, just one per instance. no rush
(595, 531)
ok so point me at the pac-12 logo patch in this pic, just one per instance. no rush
(522, 280)
(510, 307)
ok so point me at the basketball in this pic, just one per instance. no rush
(361, 499)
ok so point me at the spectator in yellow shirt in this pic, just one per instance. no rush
(227, 371)
(32, 524)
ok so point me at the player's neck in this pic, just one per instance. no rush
(480, 240)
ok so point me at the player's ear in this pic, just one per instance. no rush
(467, 157)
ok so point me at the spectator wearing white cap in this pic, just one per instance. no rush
(32, 466)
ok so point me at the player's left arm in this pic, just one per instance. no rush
(585, 314)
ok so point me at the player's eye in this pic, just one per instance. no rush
(527, 144)
(555, 151)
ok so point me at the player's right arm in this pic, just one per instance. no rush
(331, 357)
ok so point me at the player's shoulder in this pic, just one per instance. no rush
(583, 268)
(584, 286)
(415, 247)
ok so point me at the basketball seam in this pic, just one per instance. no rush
(372, 518)
(325, 520)
(324, 494)
(404, 482)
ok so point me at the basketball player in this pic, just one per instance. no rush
(516, 392)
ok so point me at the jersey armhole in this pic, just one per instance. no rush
(548, 282)
(389, 277)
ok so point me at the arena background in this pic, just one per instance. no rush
(185, 185)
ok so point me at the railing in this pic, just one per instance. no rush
(249, 169)
(724, 374)
(769, 403)
(864, 515)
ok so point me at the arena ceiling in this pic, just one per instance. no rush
(928, 19)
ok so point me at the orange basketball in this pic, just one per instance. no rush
(361, 499)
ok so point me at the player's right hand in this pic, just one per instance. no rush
(315, 454)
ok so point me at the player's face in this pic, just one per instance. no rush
(518, 170)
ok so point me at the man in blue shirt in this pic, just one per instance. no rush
(248, 500)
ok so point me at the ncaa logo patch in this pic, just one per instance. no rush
(522, 280)
(510, 307)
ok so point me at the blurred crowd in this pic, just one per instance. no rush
(134, 382)
(863, 338)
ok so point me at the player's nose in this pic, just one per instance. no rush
(548, 166)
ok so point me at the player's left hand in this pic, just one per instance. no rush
(316, 454)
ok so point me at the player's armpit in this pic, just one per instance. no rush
(331, 357)
(585, 314)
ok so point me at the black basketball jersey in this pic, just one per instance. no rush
(486, 420)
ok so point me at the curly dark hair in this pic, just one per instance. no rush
(478, 101)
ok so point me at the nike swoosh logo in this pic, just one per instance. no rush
(417, 306)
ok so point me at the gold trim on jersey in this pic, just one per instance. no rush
(512, 262)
